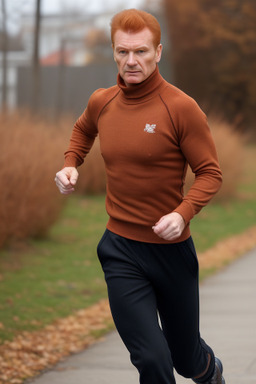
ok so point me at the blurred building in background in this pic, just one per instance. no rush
(16, 57)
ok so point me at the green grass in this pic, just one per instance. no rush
(219, 221)
(50, 278)
(55, 276)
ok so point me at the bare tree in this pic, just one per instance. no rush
(4, 56)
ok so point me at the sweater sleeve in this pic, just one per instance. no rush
(199, 150)
(83, 135)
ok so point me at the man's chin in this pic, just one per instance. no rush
(133, 80)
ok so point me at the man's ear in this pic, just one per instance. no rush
(159, 52)
(113, 52)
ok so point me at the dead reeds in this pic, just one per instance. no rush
(230, 145)
(31, 153)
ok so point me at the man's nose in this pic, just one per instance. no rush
(131, 60)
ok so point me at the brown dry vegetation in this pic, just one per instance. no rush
(31, 152)
(230, 145)
(92, 177)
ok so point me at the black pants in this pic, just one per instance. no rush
(146, 280)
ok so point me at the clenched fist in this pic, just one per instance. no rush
(66, 180)
(170, 226)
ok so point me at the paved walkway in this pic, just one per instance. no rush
(228, 323)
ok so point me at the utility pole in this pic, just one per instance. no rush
(35, 59)
(4, 57)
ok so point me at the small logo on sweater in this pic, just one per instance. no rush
(150, 128)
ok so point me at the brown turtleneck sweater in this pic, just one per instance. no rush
(148, 134)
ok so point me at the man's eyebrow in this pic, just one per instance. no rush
(136, 48)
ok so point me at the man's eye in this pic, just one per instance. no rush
(141, 51)
(123, 52)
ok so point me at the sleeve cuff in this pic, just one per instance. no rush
(186, 211)
(70, 162)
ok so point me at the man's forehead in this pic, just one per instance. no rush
(141, 38)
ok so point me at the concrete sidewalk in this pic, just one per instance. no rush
(228, 324)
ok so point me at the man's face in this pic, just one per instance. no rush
(135, 55)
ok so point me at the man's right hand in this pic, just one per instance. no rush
(66, 180)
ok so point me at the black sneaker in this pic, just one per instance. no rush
(217, 376)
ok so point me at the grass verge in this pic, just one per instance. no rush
(51, 278)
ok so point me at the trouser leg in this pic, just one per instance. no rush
(134, 309)
(178, 305)
(143, 278)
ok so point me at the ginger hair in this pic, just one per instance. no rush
(134, 20)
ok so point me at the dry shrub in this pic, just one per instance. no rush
(230, 145)
(31, 154)
(92, 177)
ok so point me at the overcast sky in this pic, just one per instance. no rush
(14, 8)
(52, 6)
(89, 5)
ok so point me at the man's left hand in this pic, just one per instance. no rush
(170, 226)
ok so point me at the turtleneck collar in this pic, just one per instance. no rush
(139, 92)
